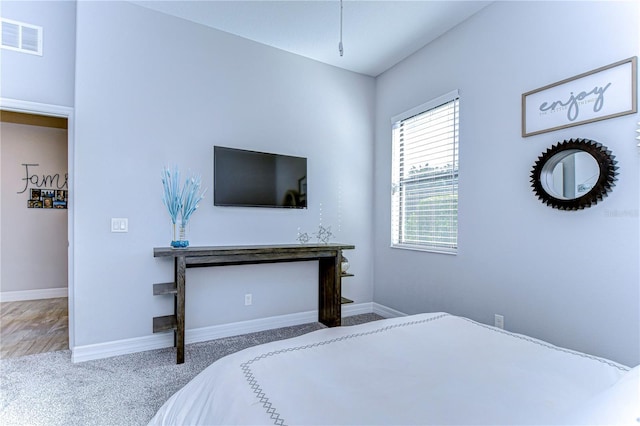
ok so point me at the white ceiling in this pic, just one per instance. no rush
(376, 34)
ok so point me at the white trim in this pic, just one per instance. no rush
(251, 326)
(17, 105)
(352, 309)
(44, 293)
(387, 312)
(203, 334)
(441, 250)
(121, 347)
(28, 107)
(440, 100)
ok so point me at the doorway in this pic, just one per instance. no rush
(34, 225)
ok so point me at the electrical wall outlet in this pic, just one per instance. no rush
(248, 299)
(498, 321)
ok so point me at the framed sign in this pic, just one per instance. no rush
(600, 94)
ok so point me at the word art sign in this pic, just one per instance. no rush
(49, 192)
(600, 94)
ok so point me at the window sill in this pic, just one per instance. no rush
(438, 250)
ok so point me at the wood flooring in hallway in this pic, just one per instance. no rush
(33, 326)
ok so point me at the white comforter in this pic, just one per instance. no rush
(425, 369)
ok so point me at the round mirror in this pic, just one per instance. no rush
(570, 174)
(574, 174)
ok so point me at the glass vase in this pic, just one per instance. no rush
(180, 240)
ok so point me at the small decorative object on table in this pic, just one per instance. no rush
(183, 201)
(324, 234)
(344, 266)
(303, 237)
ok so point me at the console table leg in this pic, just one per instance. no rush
(180, 279)
(330, 307)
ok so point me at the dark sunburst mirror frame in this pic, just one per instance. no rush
(545, 164)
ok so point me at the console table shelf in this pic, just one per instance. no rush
(329, 257)
(165, 288)
(164, 323)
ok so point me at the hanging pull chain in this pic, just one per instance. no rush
(340, 48)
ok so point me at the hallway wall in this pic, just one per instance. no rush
(33, 259)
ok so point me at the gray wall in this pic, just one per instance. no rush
(148, 96)
(34, 240)
(568, 277)
(162, 91)
(47, 79)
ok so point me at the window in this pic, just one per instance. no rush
(424, 184)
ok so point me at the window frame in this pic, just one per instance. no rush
(395, 120)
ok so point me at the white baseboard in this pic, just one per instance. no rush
(351, 309)
(251, 326)
(386, 312)
(165, 340)
(45, 293)
(121, 347)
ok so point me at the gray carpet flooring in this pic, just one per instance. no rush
(47, 389)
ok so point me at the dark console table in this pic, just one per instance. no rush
(329, 257)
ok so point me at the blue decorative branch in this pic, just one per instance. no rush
(191, 197)
(172, 197)
(181, 201)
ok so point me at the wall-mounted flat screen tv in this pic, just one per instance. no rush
(258, 179)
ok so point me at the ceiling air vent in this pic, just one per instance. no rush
(21, 37)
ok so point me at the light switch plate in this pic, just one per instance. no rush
(119, 224)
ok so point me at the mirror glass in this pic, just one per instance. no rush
(570, 174)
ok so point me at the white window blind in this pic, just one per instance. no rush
(424, 212)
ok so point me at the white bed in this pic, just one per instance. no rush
(433, 369)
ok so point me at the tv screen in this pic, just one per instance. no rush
(258, 179)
